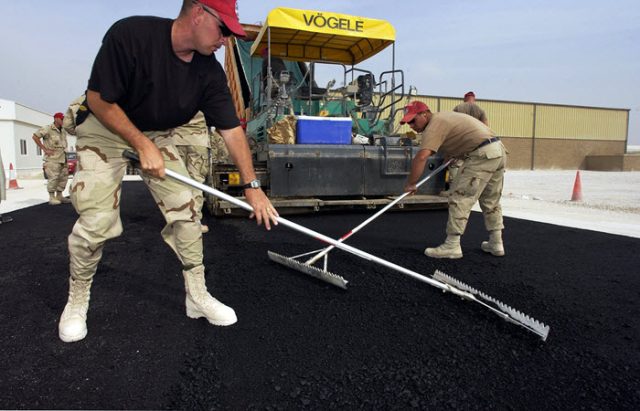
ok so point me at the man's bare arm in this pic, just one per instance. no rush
(115, 119)
(238, 147)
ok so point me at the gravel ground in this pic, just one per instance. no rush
(388, 342)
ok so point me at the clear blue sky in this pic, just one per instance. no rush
(565, 52)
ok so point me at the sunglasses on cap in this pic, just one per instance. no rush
(223, 27)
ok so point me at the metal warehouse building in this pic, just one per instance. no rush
(543, 136)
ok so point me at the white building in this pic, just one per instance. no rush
(17, 126)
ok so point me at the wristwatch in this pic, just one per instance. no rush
(252, 184)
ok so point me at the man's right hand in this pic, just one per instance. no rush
(151, 160)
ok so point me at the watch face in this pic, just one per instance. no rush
(255, 184)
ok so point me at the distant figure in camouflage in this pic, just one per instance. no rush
(3, 192)
(151, 76)
(481, 177)
(76, 106)
(470, 108)
(52, 139)
(192, 142)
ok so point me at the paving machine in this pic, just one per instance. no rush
(320, 147)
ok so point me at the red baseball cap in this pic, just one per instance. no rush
(412, 109)
(469, 94)
(58, 115)
(226, 10)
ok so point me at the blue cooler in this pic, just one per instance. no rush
(323, 130)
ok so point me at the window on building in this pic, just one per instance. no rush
(38, 150)
(23, 147)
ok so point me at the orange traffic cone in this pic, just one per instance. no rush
(577, 188)
(13, 181)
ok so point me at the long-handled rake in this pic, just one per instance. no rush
(453, 286)
(308, 268)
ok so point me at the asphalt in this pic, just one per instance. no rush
(387, 342)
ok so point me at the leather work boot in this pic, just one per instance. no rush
(494, 245)
(73, 322)
(449, 249)
(201, 304)
(61, 198)
(53, 200)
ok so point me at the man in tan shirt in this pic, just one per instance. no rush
(481, 177)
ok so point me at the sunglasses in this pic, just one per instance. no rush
(223, 27)
(413, 120)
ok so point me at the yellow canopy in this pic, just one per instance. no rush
(306, 35)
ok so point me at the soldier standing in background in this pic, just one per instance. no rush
(52, 139)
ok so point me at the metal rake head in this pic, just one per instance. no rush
(508, 313)
(315, 272)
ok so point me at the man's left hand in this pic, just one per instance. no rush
(263, 210)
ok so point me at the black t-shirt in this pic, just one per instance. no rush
(137, 69)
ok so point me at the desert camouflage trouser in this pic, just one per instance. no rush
(480, 178)
(57, 175)
(196, 159)
(96, 190)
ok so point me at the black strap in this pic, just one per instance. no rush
(491, 140)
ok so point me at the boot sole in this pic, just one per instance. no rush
(451, 257)
(220, 323)
(493, 253)
(72, 338)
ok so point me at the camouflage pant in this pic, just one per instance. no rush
(196, 159)
(57, 175)
(480, 178)
(96, 190)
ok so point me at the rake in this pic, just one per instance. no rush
(325, 275)
(439, 280)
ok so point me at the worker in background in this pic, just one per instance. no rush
(3, 191)
(469, 107)
(76, 107)
(481, 177)
(52, 140)
(151, 76)
(192, 142)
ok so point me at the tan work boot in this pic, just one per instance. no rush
(494, 245)
(73, 321)
(201, 304)
(53, 200)
(449, 249)
(61, 198)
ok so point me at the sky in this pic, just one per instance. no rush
(549, 51)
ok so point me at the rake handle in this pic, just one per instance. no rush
(352, 250)
(376, 215)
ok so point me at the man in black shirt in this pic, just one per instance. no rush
(149, 78)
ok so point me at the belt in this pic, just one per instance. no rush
(491, 140)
